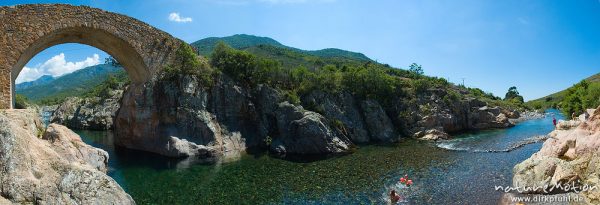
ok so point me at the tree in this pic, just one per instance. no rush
(111, 61)
(581, 96)
(513, 95)
(416, 68)
(240, 65)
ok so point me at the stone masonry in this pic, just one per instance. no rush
(25, 30)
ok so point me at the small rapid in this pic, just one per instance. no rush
(512, 147)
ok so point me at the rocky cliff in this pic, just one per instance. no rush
(180, 117)
(222, 120)
(52, 166)
(569, 157)
(89, 113)
(435, 115)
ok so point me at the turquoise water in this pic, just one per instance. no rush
(450, 172)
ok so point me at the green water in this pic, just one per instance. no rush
(450, 172)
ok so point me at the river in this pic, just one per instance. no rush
(457, 171)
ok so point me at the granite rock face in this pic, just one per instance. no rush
(306, 132)
(177, 112)
(378, 123)
(569, 156)
(343, 108)
(435, 115)
(52, 167)
(222, 120)
(90, 113)
(229, 117)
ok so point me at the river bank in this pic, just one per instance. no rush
(52, 165)
(568, 162)
(440, 175)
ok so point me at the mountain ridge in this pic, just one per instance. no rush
(72, 84)
(244, 41)
(45, 79)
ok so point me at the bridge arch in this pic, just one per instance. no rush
(29, 29)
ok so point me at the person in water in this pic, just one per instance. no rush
(554, 121)
(394, 197)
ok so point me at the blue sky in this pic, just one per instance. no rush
(539, 46)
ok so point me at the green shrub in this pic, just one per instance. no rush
(292, 97)
(21, 102)
(420, 85)
(368, 80)
(451, 96)
(186, 62)
(581, 96)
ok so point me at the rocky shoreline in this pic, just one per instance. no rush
(569, 157)
(181, 118)
(51, 166)
(529, 115)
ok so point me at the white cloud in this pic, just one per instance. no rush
(55, 66)
(177, 18)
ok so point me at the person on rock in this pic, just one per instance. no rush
(394, 197)
(573, 116)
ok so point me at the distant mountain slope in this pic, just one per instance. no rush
(72, 84)
(40, 81)
(239, 41)
(594, 78)
(246, 42)
(553, 100)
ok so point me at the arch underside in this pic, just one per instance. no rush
(122, 51)
(116, 47)
(28, 29)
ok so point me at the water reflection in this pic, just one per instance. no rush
(440, 176)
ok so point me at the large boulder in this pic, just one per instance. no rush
(343, 108)
(70, 146)
(171, 118)
(306, 132)
(88, 114)
(57, 168)
(66, 111)
(378, 123)
(488, 117)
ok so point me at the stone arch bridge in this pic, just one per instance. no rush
(28, 29)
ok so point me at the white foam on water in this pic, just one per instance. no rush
(451, 146)
(401, 190)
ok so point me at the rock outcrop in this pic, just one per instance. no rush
(378, 123)
(362, 122)
(88, 114)
(179, 112)
(568, 157)
(51, 167)
(306, 132)
(183, 118)
(342, 108)
(435, 115)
